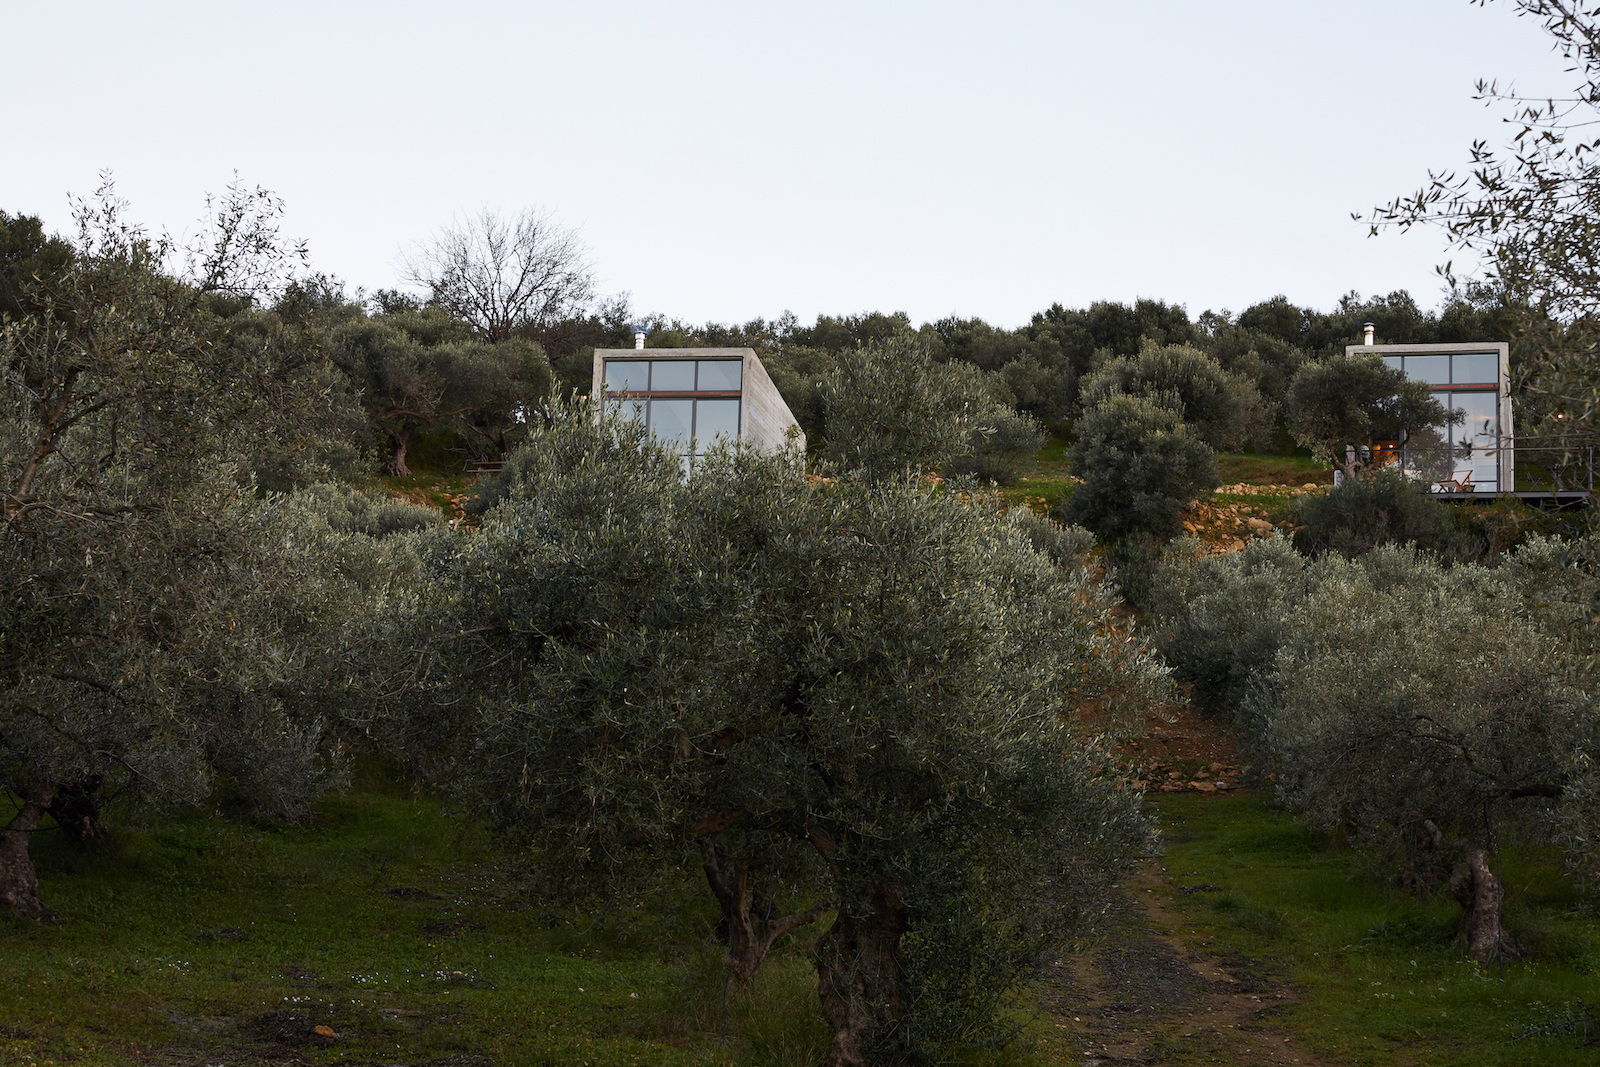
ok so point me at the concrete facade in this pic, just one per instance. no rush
(764, 420)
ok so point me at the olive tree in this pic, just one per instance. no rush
(1427, 711)
(1347, 401)
(1141, 465)
(878, 674)
(156, 620)
(1421, 707)
(889, 408)
(1224, 410)
(416, 369)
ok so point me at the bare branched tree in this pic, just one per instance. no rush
(503, 275)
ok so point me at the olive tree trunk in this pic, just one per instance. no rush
(1479, 893)
(858, 972)
(19, 885)
(396, 467)
(750, 936)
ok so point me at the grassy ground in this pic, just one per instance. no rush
(410, 940)
(1379, 975)
(1044, 482)
(390, 925)
(1294, 468)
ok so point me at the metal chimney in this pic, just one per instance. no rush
(1367, 330)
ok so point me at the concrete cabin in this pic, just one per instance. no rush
(691, 397)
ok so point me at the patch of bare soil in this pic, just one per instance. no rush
(1187, 753)
(1152, 994)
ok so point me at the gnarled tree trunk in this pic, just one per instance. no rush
(1479, 893)
(396, 465)
(858, 971)
(750, 937)
(19, 885)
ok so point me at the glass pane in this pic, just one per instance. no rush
(721, 375)
(630, 374)
(669, 421)
(716, 418)
(1392, 361)
(1477, 368)
(672, 376)
(1435, 370)
(631, 409)
(1479, 437)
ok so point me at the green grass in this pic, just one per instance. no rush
(392, 922)
(1043, 483)
(1382, 975)
(388, 921)
(1286, 469)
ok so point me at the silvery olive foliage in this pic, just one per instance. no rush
(160, 626)
(1141, 465)
(889, 409)
(1384, 507)
(349, 510)
(1404, 692)
(1224, 410)
(875, 675)
(1426, 710)
(1218, 620)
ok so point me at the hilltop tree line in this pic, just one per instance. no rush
(507, 316)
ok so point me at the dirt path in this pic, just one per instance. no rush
(1147, 995)
(1153, 991)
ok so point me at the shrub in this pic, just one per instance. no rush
(1383, 507)
(349, 510)
(1218, 619)
(1065, 546)
(1140, 465)
(1224, 410)
(890, 408)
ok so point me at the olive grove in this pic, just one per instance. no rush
(1426, 711)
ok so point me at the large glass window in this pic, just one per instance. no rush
(672, 376)
(1475, 368)
(1435, 370)
(1476, 441)
(1451, 368)
(720, 375)
(1470, 452)
(627, 375)
(687, 403)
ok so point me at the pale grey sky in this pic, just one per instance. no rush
(728, 160)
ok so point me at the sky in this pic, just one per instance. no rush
(724, 161)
